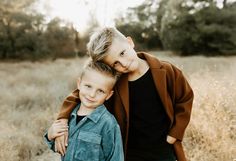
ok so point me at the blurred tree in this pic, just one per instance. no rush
(59, 39)
(198, 27)
(185, 26)
(25, 35)
(10, 18)
(93, 24)
(140, 23)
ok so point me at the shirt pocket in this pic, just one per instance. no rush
(88, 146)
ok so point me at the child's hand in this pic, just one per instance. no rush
(170, 139)
(58, 128)
(61, 141)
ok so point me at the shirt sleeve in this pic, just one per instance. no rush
(182, 102)
(112, 145)
(69, 104)
(50, 144)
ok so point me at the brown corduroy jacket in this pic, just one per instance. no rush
(175, 93)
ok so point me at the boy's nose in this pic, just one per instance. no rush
(123, 63)
(92, 93)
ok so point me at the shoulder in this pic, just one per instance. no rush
(156, 63)
(108, 117)
(169, 67)
(172, 72)
(108, 120)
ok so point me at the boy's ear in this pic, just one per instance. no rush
(130, 41)
(78, 83)
(110, 94)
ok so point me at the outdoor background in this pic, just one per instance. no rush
(43, 47)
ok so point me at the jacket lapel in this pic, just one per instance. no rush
(159, 78)
(123, 92)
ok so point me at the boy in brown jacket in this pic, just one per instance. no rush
(152, 100)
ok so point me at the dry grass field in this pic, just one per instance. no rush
(31, 95)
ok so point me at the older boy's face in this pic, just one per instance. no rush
(95, 88)
(121, 56)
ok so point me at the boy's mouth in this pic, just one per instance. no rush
(89, 100)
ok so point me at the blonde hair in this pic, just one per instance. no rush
(100, 67)
(100, 41)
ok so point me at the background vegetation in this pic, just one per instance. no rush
(32, 93)
(187, 27)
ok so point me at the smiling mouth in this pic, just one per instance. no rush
(89, 100)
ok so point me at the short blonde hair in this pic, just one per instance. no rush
(100, 41)
(100, 67)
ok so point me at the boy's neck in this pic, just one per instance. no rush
(142, 69)
(83, 110)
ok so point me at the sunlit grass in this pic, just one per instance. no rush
(31, 95)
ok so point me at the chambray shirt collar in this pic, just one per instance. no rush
(94, 116)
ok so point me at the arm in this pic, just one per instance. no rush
(58, 128)
(69, 104)
(112, 145)
(67, 107)
(182, 98)
(50, 143)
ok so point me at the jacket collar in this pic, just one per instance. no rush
(152, 61)
(94, 116)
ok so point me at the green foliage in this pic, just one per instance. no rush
(138, 23)
(204, 30)
(24, 35)
(185, 26)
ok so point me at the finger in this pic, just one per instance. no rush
(64, 120)
(62, 142)
(61, 129)
(57, 121)
(60, 148)
(66, 138)
(170, 139)
(61, 125)
(58, 134)
(56, 146)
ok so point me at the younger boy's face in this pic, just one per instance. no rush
(95, 87)
(121, 56)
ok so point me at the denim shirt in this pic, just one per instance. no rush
(96, 137)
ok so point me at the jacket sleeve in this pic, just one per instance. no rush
(69, 104)
(50, 144)
(182, 99)
(112, 145)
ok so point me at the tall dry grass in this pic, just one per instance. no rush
(31, 94)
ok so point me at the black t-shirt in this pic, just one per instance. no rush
(79, 118)
(149, 122)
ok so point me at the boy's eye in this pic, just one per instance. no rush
(122, 53)
(88, 86)
(101, 91)
(115, 63)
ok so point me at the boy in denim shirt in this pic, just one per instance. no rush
(94, 134)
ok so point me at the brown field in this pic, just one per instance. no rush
(31, 95)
